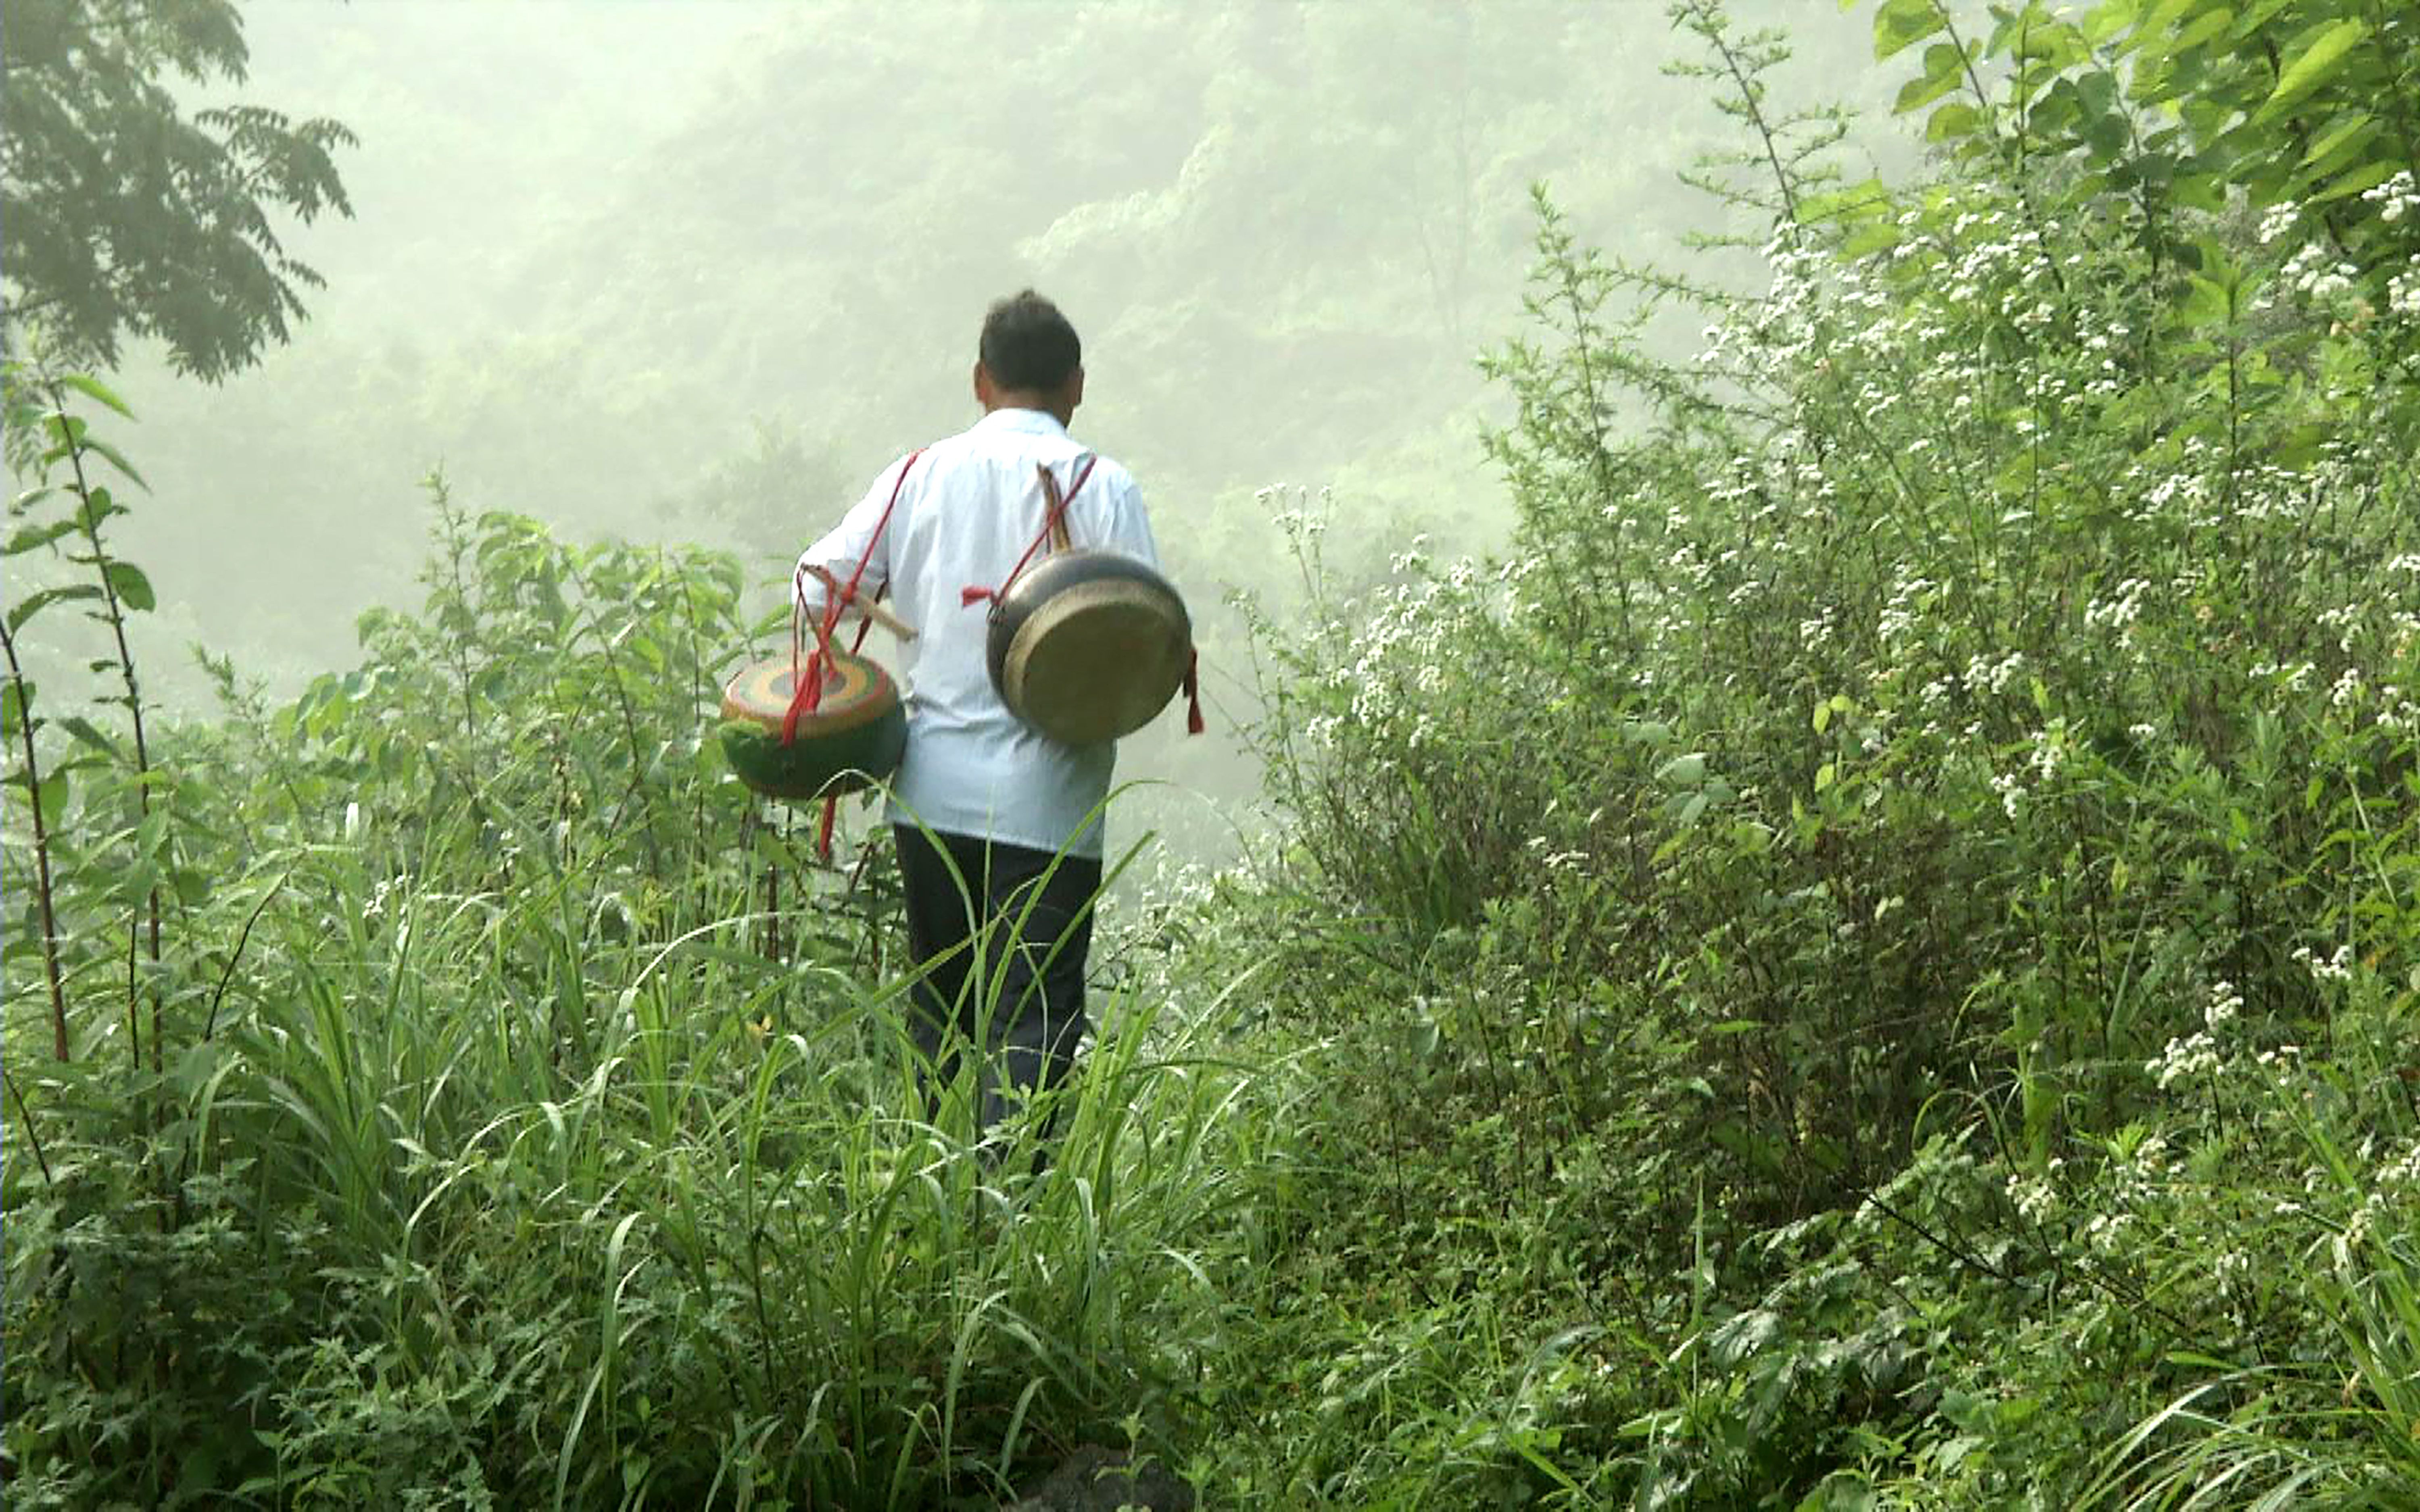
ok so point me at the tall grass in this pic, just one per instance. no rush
(509, 1150)
(755, 1267)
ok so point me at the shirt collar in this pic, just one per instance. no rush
(1029, 421)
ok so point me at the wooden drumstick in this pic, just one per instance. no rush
(868, 608)
(1055, 507)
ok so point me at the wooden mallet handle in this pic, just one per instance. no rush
(868, 608)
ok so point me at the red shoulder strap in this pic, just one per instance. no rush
(1053, 523)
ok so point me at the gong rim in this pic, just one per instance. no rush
(1097, 659)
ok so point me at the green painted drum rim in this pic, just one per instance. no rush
(854, 737)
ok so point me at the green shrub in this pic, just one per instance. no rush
(1901, 736)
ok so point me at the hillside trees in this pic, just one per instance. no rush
(1236, 203)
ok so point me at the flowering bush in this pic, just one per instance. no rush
(1931, 759)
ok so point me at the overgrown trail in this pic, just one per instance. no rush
(1868, 961)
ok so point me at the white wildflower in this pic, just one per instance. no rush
(2033, 1197)
(2404, 1171)
(2151, 1155)
(2338, 967)
(2356, 1230)
(2106, 1231)
(2194, 1057)
(2120, 609)
(2396, 198)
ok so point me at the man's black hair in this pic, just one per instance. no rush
(1028, 345)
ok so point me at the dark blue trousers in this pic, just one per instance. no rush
(1001, 937)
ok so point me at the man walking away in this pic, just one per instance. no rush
(1015, 816)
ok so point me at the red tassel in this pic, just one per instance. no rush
(824, 830)
(968, 597)
(1193, 724)
(803, 700)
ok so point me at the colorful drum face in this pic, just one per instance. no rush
(854, 736)
(1089, 646)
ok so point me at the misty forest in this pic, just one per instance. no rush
(1802, 891)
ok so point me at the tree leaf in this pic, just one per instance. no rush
(1951, 121)
(2367, 176)
(34, 538)
(2112, 18)
(116, 459)
(2347, 135)
(85, 731)
(93, 387)
(2312, 66)
(1683, 771)
(99, 507)
(51, 797)
(34, 603)
(1945, 67)
(2205, 304)
(2205, 27)
(1902, 23)
(133, 588)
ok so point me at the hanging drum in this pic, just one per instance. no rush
(1088, 646)
(852, 738)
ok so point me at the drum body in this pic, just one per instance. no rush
(852, 738)
(1088, 646)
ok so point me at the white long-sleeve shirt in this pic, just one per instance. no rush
(969, 507)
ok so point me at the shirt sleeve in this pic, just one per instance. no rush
(858, 539)
(1122, 524)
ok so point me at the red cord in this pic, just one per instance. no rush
(807, 689)
(971, 595)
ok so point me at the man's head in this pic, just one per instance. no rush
(1030, 358)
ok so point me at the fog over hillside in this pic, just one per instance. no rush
(695, 272)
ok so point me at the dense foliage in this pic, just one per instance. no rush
(1869, 959)
(451, 1102)
(129, 214)
(1890, 913)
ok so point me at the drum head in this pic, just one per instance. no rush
(856, 690)
(1097, 659)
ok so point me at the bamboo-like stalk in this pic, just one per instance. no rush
(41, 849)
(149, 924)
(33, 1135)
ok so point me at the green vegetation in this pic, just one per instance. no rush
(130, 216)
(1869, 959)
